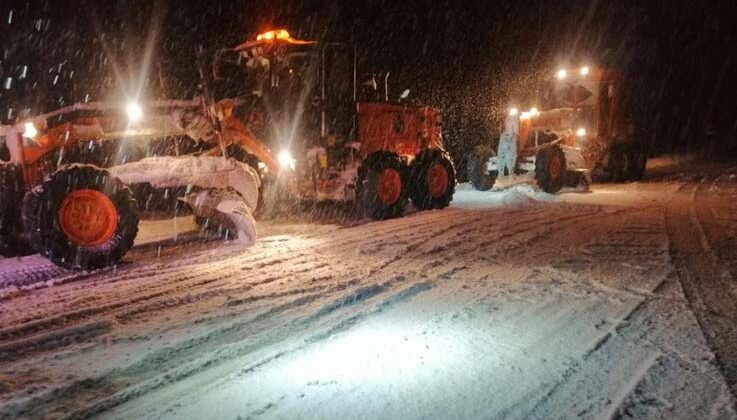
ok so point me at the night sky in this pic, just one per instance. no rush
(470, 59)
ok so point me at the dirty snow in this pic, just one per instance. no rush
(509, 304)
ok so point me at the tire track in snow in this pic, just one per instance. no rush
(419, 243)
(706, 284)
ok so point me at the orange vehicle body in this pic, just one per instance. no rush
(401, 129)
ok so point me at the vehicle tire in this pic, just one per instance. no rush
(481, 178)
(432, 179)
(81, 217)
(11, 194)
(620, 161)
(638, 165)
(550, 169)
(381, 188)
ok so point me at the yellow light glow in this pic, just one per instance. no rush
(29, 130)
(585, 70)
(513, 111)
(134, 111)
(534, 112)
(272, 35)
(285, 159)
(581, 132)
(562, 74)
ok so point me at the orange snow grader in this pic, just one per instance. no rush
(74, 182)
(350, 142)
(579, 129)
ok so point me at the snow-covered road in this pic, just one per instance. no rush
(510, 304)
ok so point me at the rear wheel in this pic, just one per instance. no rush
(11, 194)
(550, 169)
(481, 178)
(638, 165)
(619, 162)
(381, 187)
(433, 180)
(82, 217)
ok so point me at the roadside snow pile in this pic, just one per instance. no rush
(230, 188)
(518, 194)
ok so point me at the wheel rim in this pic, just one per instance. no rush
(554, 167)
(88, 217)
(390, 186)
(437, 180)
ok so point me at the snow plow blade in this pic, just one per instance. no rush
(224, 195)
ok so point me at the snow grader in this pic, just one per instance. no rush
(580, 132)
(75, 182)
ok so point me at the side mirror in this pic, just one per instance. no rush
(404, 94)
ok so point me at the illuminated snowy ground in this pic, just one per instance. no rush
(509, 304)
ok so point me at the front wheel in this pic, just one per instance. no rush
(382, 186)
(433, 180)
(81, 218)
(481, 178)
(550, 169)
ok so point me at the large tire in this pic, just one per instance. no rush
(11, 194)
(481, 178)
(381, 188)
(620, 162)
(81, 218)
(433, 180)
(550, 169)
(638, 165)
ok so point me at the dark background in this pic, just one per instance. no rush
(470, 59)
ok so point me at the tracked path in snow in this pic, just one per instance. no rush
(542, 295)
(704, 257)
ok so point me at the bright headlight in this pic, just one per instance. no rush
(585, 70)
(134, 111)
(534, 112)
(562, 74)
(285, 159)
(29, 130)
(513, 111)
(581, 132)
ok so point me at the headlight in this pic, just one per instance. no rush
(513, 111)
(534, 112)
(581, 132)
(285, 159)
(562, 74)
(585, 70)
(134, 111)
(29, 130)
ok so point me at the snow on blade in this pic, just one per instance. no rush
(230, 194)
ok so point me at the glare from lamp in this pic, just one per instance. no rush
(134, 111)
(29, 130)
(285, 159)
(581, 132)
(562, 74)
(585, 70)
(534, 112)
(513, 111)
